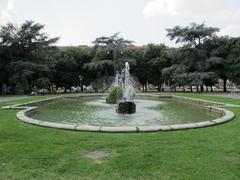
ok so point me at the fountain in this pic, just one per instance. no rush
(92, 112)
(126, 82)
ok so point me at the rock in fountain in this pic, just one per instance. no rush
(127, 105)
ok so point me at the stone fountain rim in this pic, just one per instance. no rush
(212, 106)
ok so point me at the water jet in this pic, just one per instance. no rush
(126, 82)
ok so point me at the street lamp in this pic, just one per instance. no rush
(81, 79)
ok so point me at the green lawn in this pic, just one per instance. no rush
(211, 98)
(31, 152)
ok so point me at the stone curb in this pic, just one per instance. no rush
(21, 115)
(197, 101)
(118, 129)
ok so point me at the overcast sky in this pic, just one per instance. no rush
(143, 21)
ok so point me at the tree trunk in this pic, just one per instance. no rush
(206, 89)
(191, 89)
(29, 89)
(49, 88)
(1, 89)
(146, 89)
(52, 88)
(211, 88)
(197, 89)
(81, 87)
(159, 88)
(202, 89)
(225, 85)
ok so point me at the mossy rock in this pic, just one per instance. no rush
(126, 107)
(114, 95)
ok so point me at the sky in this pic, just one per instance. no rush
(79, 22)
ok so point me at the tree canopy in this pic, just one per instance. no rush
(193, 35)
(30, 60)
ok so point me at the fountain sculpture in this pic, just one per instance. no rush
(126, 82)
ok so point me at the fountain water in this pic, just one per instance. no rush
(126, 82)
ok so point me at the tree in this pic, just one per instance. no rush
(66, 70)
(156, 58)
(233, 59)
(4, 74)
(142, 71)
(71, 61)
(217, 51)
(193, 35)
(108, 55)
(23, 49)
(114, 46)
(192, 57)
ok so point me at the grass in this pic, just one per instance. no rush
(30, 152)
(211, 98)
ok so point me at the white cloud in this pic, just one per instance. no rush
(6, 7)
(221, 13)
(158, 7)
(233, 30)
(187, 7)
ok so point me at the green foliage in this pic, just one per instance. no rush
(69, 64)
(112, 41)
(97, 84)
(194, 35)
(114, 95)
(25, 49)
(233, 59)
(43, 82)
(28, 59)
(157, 59)
(108, 55)
(201, 61)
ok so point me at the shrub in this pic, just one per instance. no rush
(114, 95)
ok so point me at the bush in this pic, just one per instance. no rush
(114, 95)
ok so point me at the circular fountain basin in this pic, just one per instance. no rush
(91, 113)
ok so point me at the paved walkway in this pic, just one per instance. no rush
(11, 98)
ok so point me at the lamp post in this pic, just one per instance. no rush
(81, 79)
